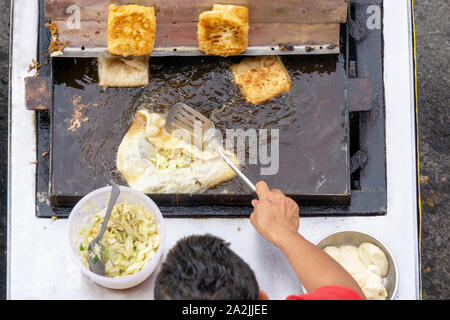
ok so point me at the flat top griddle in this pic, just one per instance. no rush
(312, 120)
(362, 58)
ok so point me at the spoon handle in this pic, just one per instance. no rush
(115, 191)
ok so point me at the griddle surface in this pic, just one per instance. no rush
(312, 119)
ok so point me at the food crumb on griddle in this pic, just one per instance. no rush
(55, 44)
(332, 46)
(77, 116)
(53, 28)
(286, 46)
(35, 65)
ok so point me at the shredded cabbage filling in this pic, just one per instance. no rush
(131, 239)
(166, 159)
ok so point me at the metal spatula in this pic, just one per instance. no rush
(184, 118)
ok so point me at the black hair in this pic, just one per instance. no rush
(202, 267)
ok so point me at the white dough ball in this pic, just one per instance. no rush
(373, 288)
(333, 251)
(370, 254)
(362, 277)
(374, 269)
(349, 259)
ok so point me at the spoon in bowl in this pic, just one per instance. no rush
(95, 251)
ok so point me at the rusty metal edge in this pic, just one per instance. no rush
(326, 48)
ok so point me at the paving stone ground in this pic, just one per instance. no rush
(433, 42)
(4, 48)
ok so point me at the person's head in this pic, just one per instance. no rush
(204, 268)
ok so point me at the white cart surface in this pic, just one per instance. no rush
(39, 265)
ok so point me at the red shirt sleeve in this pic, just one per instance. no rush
(328, 293)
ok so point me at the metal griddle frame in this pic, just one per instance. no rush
(363, 51)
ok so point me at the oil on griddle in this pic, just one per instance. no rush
(89, 122)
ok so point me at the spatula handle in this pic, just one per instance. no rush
(235, 169)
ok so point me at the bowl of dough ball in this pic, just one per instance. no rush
(132, 244)
(367, 259)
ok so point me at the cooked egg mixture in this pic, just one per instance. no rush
(367, 264)
(153, 161)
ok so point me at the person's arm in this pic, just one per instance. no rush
(276, 218)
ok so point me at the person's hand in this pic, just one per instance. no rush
(275, 216)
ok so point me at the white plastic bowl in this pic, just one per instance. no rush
(91, 204)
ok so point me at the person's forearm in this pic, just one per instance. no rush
(325, 271)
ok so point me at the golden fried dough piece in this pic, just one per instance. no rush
(131, 30)
(123, 72)
(224, 30)
(261, 78)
